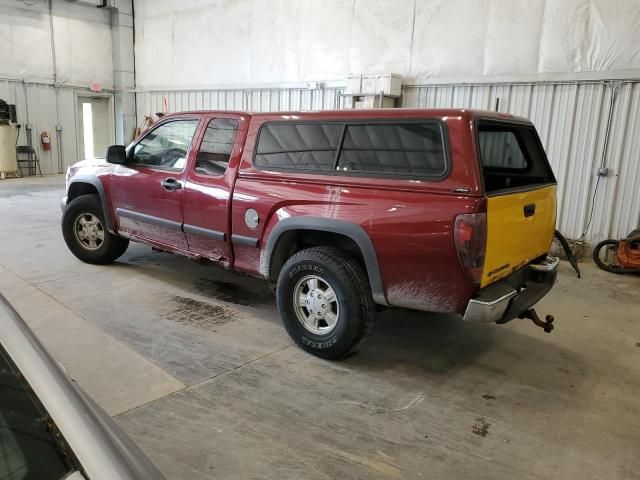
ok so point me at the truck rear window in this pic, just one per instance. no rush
(405, 149)
(511, 157)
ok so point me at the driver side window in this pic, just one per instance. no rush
(167, 146)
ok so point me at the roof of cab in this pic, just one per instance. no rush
(369, 113)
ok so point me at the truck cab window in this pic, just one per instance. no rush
(217, 145)
(166, 146)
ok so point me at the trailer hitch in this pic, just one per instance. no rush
(546, 324)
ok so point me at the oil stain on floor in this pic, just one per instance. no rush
(233, 293)
(205, 316)
(481, 427)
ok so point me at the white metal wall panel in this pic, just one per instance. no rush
(580, 165)
(36, 106)
(623, 203)
(255, 100)
(571, 118)
(42, 116)
(67, 115)
(555, 116)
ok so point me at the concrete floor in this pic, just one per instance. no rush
(194, 364)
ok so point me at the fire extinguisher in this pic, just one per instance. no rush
(45, 140)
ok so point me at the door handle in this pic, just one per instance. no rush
(171, 184)
(529, 210)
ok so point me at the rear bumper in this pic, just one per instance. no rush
(63, 204)
(507, 299)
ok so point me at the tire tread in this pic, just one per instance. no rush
(115, 245)
(351, 274)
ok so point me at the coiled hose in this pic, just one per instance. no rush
(611, 268)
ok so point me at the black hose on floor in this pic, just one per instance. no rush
(611, 268)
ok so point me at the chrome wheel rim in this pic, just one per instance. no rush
(316, 305)
(88, 231)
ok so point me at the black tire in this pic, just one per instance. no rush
(597, 259)
(111, 246)
(349, 282)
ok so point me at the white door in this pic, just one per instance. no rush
(95, 126)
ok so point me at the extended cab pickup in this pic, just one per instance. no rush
(436, 210)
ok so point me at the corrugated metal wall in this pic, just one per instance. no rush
(570, 117)
(36, 105)
(254, 100)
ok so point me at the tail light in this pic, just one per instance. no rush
(470, 236)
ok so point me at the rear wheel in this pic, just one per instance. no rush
(325, 301)
(85, 233)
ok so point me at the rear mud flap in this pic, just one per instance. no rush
(567, 249)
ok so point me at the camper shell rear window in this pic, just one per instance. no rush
(511, 157)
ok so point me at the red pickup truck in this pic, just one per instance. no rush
(436, 210)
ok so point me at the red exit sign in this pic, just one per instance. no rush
(95, 87)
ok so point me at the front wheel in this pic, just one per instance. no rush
(85, 233)
(325, 301)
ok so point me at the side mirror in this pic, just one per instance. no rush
(116, 154)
